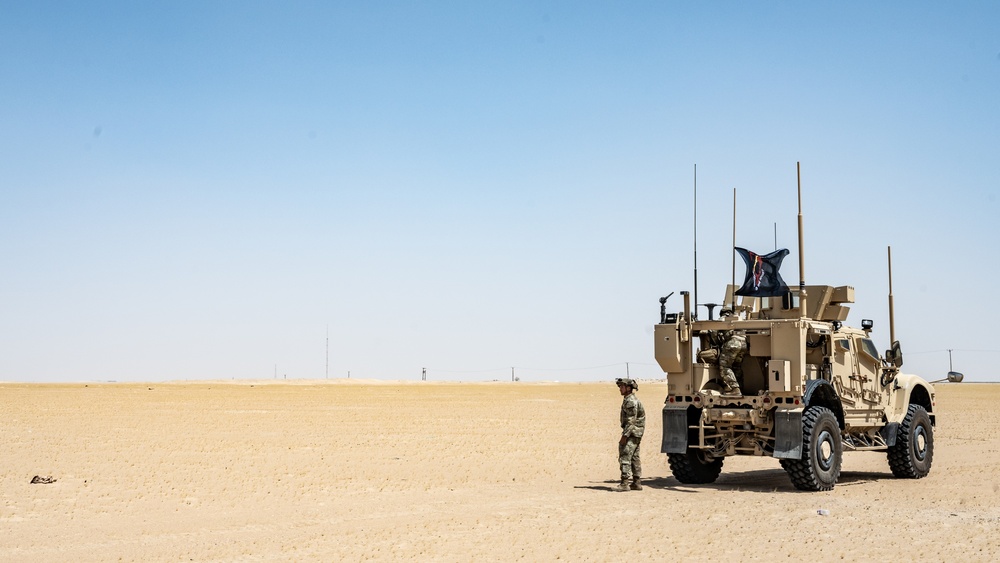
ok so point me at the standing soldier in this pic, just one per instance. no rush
(633, 423)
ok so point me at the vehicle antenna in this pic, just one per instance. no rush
(802, 266)
(733, 304)
(695, 315)
(892, 316)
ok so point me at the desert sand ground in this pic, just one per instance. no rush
(223, 471)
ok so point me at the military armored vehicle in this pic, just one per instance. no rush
(811, 387)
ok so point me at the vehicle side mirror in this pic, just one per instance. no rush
(895, 355)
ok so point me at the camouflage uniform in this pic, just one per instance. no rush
(731, 361)
(633, 421)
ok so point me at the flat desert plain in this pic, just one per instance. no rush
(349, 470)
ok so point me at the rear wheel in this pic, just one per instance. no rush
(911, 456)
(694, 467)
(822, 451)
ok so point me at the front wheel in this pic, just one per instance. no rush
(694, 467)
(911, 456)
(822, 451)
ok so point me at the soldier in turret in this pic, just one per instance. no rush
(633, 421)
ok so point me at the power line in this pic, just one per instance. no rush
(536, 369)
(953, 350)
(574, 369)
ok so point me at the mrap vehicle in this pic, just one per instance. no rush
(809, 387)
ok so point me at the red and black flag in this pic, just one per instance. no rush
(763, 279)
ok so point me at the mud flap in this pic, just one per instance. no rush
(889, 432)
(788, 434)
(675, 431)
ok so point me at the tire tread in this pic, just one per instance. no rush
(901, 462)
(800, 471)
(689, 470)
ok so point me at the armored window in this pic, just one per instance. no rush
(844, 345)
(868, 347)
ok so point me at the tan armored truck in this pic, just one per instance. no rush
(809, 388)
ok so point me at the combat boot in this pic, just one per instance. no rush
(622, 487)
(636, 484)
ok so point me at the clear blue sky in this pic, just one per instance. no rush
(204, 189)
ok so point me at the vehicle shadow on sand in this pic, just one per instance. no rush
(760, 481)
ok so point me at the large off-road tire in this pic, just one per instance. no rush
(911, 456)
(694, 467)
(822, 452)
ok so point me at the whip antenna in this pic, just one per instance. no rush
(695, 316)
(892, 316)
(802, 265)
(733, 304)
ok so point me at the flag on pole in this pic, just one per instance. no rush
(763, 279)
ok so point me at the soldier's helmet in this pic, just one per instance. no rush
(627, 382)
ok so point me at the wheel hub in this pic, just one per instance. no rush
(824, 450)
(920, 443)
